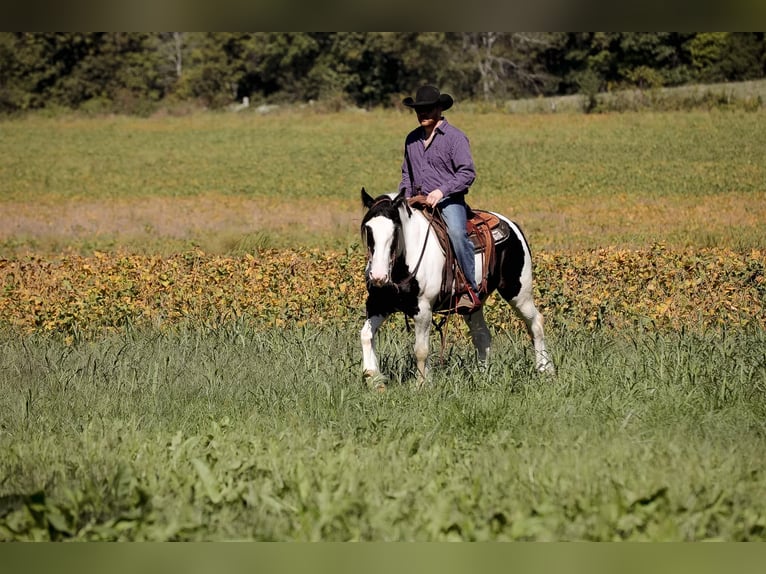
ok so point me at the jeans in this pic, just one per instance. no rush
(453, 210)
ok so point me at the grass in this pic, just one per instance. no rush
(190, 432)
(748, 95)
(239, 434)
(293, 178)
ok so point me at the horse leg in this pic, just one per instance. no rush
(480, 335)
(525, 308)
(422, 332)
(369, 361)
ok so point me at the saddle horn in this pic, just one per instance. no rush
(401, 199)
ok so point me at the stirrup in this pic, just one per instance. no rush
(467, 303)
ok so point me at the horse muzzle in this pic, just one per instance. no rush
(378, 280)
(378, 274)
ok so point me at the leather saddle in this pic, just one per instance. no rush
(485, 230)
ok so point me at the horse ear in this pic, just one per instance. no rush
(367, 199)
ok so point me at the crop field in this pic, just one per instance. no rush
(181, 299)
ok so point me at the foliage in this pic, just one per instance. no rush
(654, 288)
(131, 72)
(70, 69)
(615, 288)
(721, 56)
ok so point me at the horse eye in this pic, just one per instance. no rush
(370, 241)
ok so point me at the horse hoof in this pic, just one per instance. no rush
(377, 386)
(375, 382)
(547, 370)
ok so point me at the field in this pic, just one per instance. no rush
(180, 302)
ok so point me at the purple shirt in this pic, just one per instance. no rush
(446, 164)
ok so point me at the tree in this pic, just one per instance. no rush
(171, 47)
(278, 65)
(19, 71)
(508, 64)
(727, 56)
(131, 71)
(214, 69)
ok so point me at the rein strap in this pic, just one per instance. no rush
(414, 272)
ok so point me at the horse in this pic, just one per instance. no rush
(404, 273)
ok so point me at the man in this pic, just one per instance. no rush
(438, 164)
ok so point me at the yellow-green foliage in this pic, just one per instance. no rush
(656, 286)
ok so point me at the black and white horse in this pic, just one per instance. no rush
(404, 274)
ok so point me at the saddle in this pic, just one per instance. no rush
(485, 230)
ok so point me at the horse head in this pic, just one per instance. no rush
(381, 231)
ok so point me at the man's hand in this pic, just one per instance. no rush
(434, 197)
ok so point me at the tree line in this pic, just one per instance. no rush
(134, 72)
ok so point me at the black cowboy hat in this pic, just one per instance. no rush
(427, 96)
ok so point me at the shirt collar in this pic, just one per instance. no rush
(441, 128)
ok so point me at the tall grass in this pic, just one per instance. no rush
(234, 433)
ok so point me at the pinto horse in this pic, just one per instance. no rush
(404, 270)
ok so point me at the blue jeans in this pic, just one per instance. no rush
(454, 213)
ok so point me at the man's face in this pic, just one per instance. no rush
(428, 116)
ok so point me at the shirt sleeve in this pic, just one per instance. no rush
(464, 171)
(405, 183)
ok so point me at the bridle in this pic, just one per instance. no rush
(395, 247)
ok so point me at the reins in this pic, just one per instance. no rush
(414, 272)
(440, 325)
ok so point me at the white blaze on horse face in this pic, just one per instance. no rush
(382, 231)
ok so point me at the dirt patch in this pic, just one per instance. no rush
(222, 223)
(186, 218)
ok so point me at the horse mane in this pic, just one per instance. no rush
(383, 206)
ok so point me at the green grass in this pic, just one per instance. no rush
(749, 95)
(689, 178)
(238, 434)
(299, 155)
(284, 155)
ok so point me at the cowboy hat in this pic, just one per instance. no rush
(429, 96)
